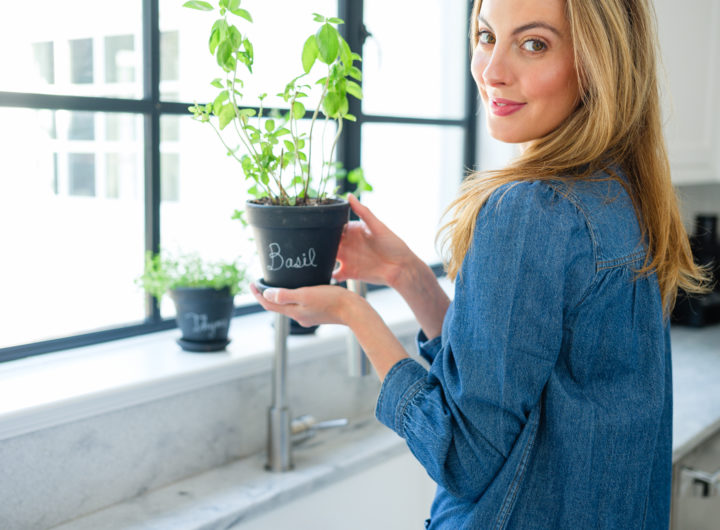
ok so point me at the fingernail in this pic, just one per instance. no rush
(270, 294)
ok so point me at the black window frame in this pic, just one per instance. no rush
(152, 108)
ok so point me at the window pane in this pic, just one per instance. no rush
(81, 174)
(120, 59)
(278, 33)
(412, 190)
(74, 257)
(76, 47)
(81, 61)
(201, 188)
(415, 62)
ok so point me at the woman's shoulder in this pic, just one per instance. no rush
(535, 201)
(598, 206)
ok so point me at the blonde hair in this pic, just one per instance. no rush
(617, 122)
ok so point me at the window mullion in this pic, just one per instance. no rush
(151, 93)
(349, 148)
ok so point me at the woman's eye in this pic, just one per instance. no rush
(533, 45)
(485, 37)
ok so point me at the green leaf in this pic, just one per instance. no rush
(345, 53)
(354, 89)
(289, 145)
(309, 53)
(235, 37)
(269, 125)
(248, 48)
(298, 110)
(327, 42)
(244, 13)
(350, 117)
(224, 53)
(335, 20)
(198, 4)
(282, 131)
(318, 17)
(219, 101)
(331, 104)
(217, 82)
(226, 116)
(357, 177)
(355, 73)
(233, 4)
(214, 40)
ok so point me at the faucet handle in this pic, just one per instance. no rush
(305, 427)
(329, 424)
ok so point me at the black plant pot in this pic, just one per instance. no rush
(203, 316)
(298, 244)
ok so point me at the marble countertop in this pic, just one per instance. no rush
(696, 386)
(225, 496)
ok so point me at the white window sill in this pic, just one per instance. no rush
(44, 391)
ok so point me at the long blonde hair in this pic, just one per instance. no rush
(617, 122)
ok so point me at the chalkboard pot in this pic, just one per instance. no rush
(203, 315)
(298, 245)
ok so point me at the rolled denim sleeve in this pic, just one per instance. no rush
(531, 259)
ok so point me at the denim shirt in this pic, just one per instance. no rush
(548, 401)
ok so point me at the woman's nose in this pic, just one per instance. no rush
(496, 68)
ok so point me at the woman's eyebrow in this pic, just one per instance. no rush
(525, 27)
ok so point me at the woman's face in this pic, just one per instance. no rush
(524, 67)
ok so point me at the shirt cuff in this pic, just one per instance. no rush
(401, 384)
(428, 349)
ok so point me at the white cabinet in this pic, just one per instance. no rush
(690, 74)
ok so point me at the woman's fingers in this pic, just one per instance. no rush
(363, 212)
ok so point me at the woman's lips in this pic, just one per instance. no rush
(504, 107)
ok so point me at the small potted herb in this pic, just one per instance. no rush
(203, 294)
(297, 217)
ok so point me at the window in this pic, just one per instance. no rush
(102, 161)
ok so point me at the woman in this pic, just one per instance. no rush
(548, 402)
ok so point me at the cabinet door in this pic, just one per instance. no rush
(690, 74)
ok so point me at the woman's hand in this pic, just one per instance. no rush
(331, 304)
(370, 251)
(309, 306)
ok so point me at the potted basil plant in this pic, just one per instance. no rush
(202, 292)
(296, 214)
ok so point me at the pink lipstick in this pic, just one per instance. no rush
(504, 107)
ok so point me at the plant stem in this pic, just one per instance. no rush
(312, 124)
(332, 151)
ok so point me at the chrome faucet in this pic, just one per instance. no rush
(358, 363)
(283, 431)
(279, 433)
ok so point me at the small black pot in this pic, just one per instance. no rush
(298, 244)
(203, 316)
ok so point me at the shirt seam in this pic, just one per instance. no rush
(514, 487)
(407, 399)
(572, 199)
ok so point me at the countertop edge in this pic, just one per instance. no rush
(239, 491)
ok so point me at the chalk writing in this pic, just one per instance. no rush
(278, 261)
(201, 324)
